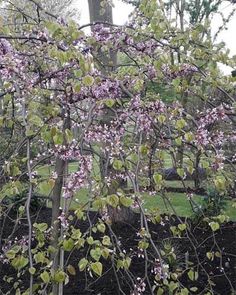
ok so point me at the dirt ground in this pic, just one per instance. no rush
(222, 270)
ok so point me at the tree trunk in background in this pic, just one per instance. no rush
(197, 178)
(108, 62)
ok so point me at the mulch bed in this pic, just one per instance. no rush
(222, 270)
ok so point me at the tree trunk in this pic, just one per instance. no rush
(60, 168)
(197, 177)
(96, 16)
(55, 224)
(108, 62)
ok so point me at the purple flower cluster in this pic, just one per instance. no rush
(184, 70)
(70, 152)
(139, 287)
(202, 137)
(209, 117)
(5, 47)
(63, 220)
(106, 89)
(146, 114)
(103, 33)
(160, 269)
(78, 180)
(218, 163)
(119, 38)
(110, 135)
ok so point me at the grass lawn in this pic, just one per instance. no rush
(179, 201)
(181, 204)
(46, 170)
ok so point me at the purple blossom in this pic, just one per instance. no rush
(139, 287)
(5, 47)
(79, 179)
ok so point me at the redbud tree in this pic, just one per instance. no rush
(54, 98)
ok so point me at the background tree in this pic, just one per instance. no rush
(101, 13)
(16, 13)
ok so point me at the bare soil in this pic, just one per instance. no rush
(222, 270)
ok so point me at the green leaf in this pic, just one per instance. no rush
(77, 87)
(127, 202)
(180, 124)
(88, 81)
(59, 276)
(97, 268)
(172, 286)
(19, 262)
(71, 270)
(117, 164)
(76, 234)
(189, 137)
(58, 138)
(82, 264)
(36, 120)
(222, 218)
(101, 227)
(120, 264)
(182, 226)
(45, 187)
(69, 135)
(161, 119)
(127, 262)
(90, 240)
(96, 253)
(68, 245)
(157, 178)
(1, 121)
(10, 254)
(214, 225)
(193, 275)
(29, 132)
(32, 270)
(205, 164)
(160, 291)
(220, 183)
(106, 241)
(184, 291)
(39, 257)
(178, 141)
(143, 149)
(42, 227)
(45, 277)
(143, 245)
(15, 171)
(113, 200)
(210, 255)
(181, 172)
(109, 102)
(52, 27)
(105, 253)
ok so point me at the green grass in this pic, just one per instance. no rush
(179, 184)
(178, 201)
(46, 170)
(181, 205)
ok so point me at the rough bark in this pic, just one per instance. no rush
(108, 62)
